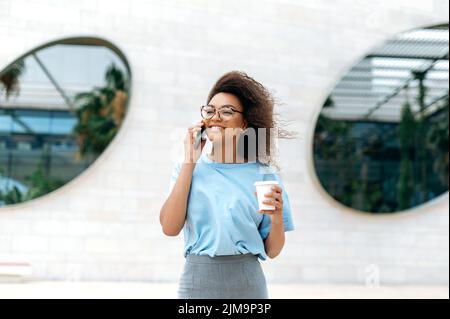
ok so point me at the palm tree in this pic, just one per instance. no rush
(41, 184)
(9, 79)
(13, 196)
(100, 113)
(406, 132)
(420, 76)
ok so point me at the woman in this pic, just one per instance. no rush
(213, 196)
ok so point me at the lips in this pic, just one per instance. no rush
(215, 128)
(215, 125)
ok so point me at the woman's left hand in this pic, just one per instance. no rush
(274, 198)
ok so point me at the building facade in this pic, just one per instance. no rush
(104, 224)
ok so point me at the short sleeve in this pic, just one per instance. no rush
(264, 227)
(175, 172)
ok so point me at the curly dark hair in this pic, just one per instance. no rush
(258, 104)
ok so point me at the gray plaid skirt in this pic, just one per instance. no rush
(222, 277)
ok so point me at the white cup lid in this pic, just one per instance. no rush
(266, 183)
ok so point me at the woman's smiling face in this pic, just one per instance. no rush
(215, 126)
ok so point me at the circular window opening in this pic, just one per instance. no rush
(381, 139)
(60, 106)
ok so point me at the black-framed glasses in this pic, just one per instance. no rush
(226, 112)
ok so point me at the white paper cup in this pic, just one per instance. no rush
(264, 188)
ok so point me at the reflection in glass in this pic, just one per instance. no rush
(381, 140)
(60, 107)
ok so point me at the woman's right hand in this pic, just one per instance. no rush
(191, 155)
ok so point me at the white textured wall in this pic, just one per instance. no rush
(104, 224)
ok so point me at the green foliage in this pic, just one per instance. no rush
(100, 113)
(332, 137)
(39, 184)
(9, 78)
(406, 134)
(346, 164)
(437, 141)
(12, 197)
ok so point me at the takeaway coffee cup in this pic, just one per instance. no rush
(264, 188)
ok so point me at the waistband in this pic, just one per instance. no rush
(206, 259)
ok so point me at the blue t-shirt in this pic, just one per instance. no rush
(222, 212)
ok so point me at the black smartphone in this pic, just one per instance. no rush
(199, 136)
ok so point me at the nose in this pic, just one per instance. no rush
(216, 116)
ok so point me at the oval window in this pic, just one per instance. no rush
(60, 106)
(381, 139)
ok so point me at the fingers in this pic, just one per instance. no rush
(277, 189)
(192, 153)
(271, 195)
(273, 202)
(267, 212)
(195, 129)
(197, 125)
(276, 196)
(274, 199)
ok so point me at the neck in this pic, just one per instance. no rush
(225, 155)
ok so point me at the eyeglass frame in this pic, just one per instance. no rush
(217, 110)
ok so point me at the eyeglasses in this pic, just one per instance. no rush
(225, 112)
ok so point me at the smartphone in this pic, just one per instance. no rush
(200, 136)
